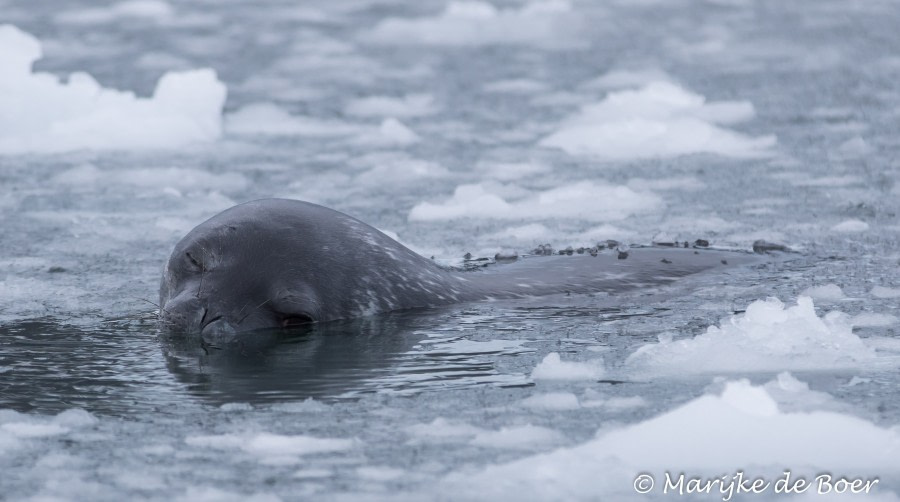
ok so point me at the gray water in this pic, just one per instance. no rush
(80, 261)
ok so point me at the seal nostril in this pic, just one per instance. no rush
(204, 322)
(214, 319)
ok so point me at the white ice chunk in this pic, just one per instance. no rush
(411, 105)
(826, 292)
(524, 437)
(440, 429)
(584, 200)
(621, 79)
(268, 447)
(543, 23)
(659, 120)
(515, 86)
(380, 473)
(552, 368)
(736, 430)
(392, 132)
(165, 178)
(885, 292)
(40, 114)
(851, 226)
(872, 320)
(131, 9)
(767, 337)
(552, 401)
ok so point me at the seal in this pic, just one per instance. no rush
(281, 263)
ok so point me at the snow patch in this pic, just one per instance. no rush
(661, 119)
(40, 114)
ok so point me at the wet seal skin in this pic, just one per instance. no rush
(279, 263)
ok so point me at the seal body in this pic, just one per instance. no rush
(278, 263)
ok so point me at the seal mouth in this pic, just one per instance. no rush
(296, 320)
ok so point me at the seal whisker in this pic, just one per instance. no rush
(254, 310)
(161, 309)
(242, 308)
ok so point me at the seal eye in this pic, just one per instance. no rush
(295, 320)
(193, 261)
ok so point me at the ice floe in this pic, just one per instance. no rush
(391, 132)
(552, 368)
(152, 10)
(825, 292)
(523, 437)
(585, 200)
(554, 401)
(543, 23)
(623, 79)
(410, 105)
(851, 226)
(660, 119)
(742, 427)
(885, 292)
(174, 180)
(874, 320)
(767, 337)
(272, 448)
(41, 114)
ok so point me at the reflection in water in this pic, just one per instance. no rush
(127, 367)
(321, 360)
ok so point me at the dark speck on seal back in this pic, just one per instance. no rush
(762, 246)
(506, 256)
(543, 250)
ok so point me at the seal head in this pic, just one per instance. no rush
(279, 263)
